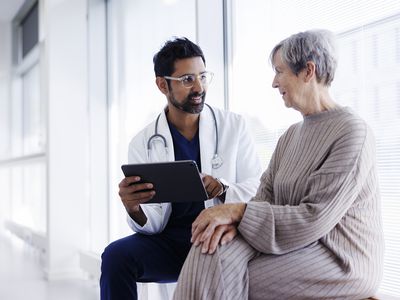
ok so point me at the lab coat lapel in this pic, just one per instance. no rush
(207, 140)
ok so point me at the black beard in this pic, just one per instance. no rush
(187, 105)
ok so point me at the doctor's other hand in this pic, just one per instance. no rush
(133, 194)
(213, 186)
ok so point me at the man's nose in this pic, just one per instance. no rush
(198, 86)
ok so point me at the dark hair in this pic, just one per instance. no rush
(179, 48)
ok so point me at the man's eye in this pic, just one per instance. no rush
(188, 79)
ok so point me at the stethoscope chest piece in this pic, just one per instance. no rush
(216, 161)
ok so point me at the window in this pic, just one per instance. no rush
(23, 167)
(28, 170)
(32, 117)
(27, 109)
(366, 80)
(30, 30)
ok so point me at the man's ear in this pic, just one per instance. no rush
(309, 71)
(162, 85)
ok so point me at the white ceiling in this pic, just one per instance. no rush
(8, 9)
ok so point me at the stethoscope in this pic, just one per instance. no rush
(216, 161)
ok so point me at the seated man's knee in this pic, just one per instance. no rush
(116, 259)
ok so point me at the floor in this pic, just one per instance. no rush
(21, 276)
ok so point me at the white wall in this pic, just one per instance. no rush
(65, 62)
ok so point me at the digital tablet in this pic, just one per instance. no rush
(176, 181)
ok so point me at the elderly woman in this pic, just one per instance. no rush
(313, 230)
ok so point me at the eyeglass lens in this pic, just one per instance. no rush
(205, 79)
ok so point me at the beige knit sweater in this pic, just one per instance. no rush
(321, 187)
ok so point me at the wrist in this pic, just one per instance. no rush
(237, 212)
(138, 216)
(241, 207)
(223, 191)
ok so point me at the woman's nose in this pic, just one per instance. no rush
(274, 83)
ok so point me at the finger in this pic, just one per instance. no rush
(215, 239)
(133, 204)
(128, 181)
(205, 238)
(196, 234)
(205, 245)
(199, 231)
(141, 196)
(216, 191)
(211, 188)
(207, 179)
(215, 187)
(128, 191)
(229, 235)
(207, 232)
(139, 187)
(198, 220)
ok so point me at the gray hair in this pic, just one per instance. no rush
(317, 46)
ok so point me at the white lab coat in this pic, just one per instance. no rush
(241, 168)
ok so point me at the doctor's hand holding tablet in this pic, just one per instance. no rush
(133, 193)
(214, 187)
(178, 181)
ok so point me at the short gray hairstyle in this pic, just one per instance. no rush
(317, 46)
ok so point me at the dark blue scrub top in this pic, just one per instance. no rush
(183, 214)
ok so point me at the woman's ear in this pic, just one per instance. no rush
(162, 85)
(309, 71)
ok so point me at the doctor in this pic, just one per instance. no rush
(186, 129)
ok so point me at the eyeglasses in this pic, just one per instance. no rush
(189, 79)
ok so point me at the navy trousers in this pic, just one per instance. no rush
(143, 258)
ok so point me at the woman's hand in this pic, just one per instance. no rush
(222, 235)
(216, 225)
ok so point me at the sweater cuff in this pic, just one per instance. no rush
(253, 221)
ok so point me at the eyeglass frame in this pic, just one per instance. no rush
(181, 78)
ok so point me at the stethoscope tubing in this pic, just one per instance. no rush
(216, 161)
